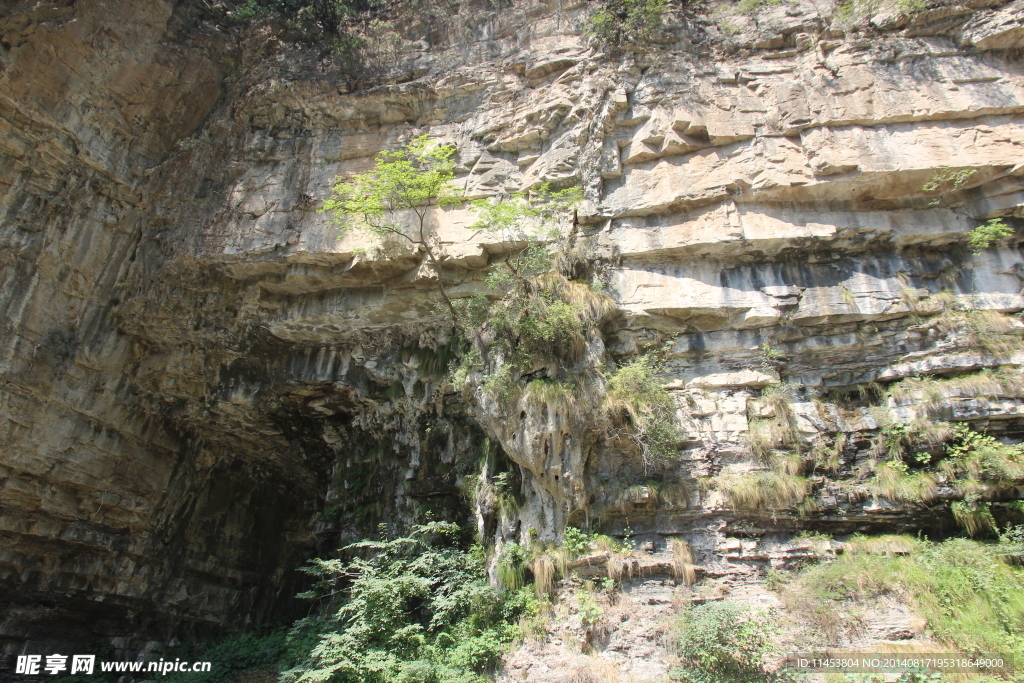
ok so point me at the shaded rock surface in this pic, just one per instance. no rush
(203, 385)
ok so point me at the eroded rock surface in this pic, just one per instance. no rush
(203, 385)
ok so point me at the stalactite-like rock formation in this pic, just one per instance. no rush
(203, 386)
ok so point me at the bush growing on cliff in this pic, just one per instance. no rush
(416, 608)
(638, 399)
(239, 653)
(619, 22)
(977, 466)
(720, 642)
(327, 14)
(987, 234)
(532, 317)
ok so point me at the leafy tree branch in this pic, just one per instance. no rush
(408, 180)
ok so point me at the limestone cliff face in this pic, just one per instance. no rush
(203, 386)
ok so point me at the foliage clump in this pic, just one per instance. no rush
(239, 653)
(750, 7)
(850, 11)
(779, 429)
(329, 15)
(532, 322)
(912, 459)
(970, 593)
(770, 490)
(987, 234)
(416, 608)
(394, 199)
(947, 180)
(637, 397)
(620, 22)
(720, 642)
(978, 328)
(917, 456)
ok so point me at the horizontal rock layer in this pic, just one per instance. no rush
(204, 384)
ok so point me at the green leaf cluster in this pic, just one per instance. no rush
(987, 234)
(621, 22)
(327, 14)
(410, 609)
(637, 396)
(392, 201)
(720, 642)
(978, 466)
(403, 181)
(531, 312)
(750, 7)
(239, 653)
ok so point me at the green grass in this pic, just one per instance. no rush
(970, 596)
(893, 481)
(933, 391)
(855, 11)
(637, 399)
(982, 329)
(750, 7)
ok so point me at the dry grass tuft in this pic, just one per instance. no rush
(828, 457)
(543, 568)
(595, 670)
(897, 484)
(764, 435)
(763, 490)
(543, 392)
(934, 393)
(682, 561)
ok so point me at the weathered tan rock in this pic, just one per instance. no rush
(196, 364)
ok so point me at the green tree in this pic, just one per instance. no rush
(638, 397)
(416, 608)
(531, 310)
(627, 21)
(394, 199)
(987, 234)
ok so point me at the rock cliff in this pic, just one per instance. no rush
(204, 386)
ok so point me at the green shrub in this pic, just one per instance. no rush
(749, 7)
(619, 22)
(971, 597)
(238, 653)
(946, 180)
(327, 14)
(637, 396)
(720, 642)
(417, 608)
(976, 465)
(588, 609)
(533, 311)
(987, 234)
(974, 514)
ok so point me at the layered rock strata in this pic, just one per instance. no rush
(204, 385)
